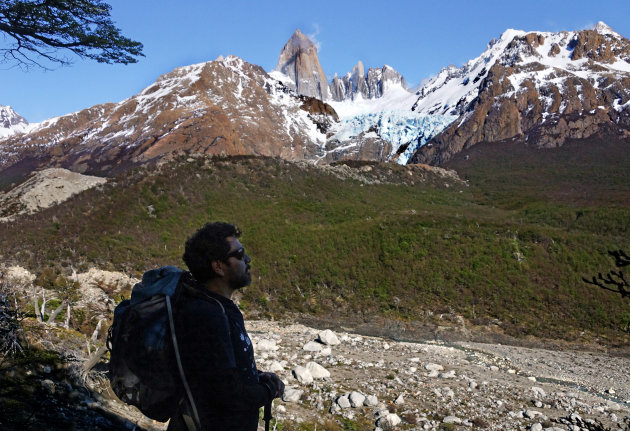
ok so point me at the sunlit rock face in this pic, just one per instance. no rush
(298, 61)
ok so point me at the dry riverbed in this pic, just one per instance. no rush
(401, 385)
(345, 381)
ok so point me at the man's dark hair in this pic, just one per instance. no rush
(208, 244)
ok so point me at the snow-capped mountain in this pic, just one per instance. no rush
(226, 106)
(11, 122)
(542, 87)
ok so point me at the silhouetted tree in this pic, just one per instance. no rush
(36, 30)
(614, 281)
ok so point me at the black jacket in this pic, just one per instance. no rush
(218, 360)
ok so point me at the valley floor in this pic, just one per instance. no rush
(415, 386)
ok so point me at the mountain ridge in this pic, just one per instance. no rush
(539, 87)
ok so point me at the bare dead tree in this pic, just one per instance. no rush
(54, 314)
(38, 315)
(97, 331)
(44, 301)
(614, 280)
(10, 327)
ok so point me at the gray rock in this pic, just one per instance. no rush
(303, 375)
(452, 420)
(356, 399)
(447, 375)
(292, 395)
(313, 346)
(317, 371)
(275, 366)
(433, 367)
(539, 392)
(343, 401)
(329, 338)
(536, 427)
(400, 399)
(326, 350)
(266, 345)
(389, 422)
(531, 414)
(370, 401)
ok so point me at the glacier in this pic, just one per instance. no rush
(398, 127)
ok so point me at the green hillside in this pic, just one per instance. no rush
(411, 245)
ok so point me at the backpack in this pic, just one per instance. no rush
(145, 369)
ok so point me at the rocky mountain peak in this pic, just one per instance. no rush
(357, 74)
(602, 28)
(11, 122)
(299, 62)
(367, 86)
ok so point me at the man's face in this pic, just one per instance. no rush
(237, 264)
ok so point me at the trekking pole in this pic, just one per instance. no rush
(267, 416)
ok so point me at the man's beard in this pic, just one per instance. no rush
(244, 279)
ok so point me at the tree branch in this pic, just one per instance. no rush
(83, 27)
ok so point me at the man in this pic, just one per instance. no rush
(216, 352)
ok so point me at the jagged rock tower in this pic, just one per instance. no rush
(298, 60)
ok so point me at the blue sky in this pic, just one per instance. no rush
(417, 38)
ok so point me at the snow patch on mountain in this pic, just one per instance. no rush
(295, 120)
(450, 92)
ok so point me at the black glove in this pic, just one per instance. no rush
(273, 383)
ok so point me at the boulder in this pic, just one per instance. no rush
(343, 401)
(356, 399)
(538, 392)
(303, 375)
(433, 367)
(292, 395)
(329, 338)
(370, 401)
(452, 420)
(389, 422)
(266, 345)
(275, 366)
(312, 346)
(317, 371)
(447, 375)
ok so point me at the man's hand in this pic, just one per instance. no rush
(274, 382)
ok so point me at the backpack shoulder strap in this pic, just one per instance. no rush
(197, 423)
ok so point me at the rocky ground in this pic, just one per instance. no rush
(344, 381)
(429, 385)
